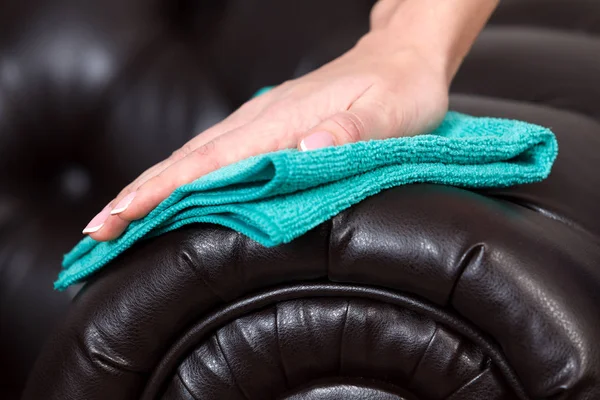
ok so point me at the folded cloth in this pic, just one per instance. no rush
(276, 197)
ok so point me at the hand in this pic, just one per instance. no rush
(394, 82)
(365, 94)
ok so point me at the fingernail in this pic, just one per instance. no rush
(123, 204)
(98, 221)
(317, 140)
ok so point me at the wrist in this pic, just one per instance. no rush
(441, 32)
(381, 45)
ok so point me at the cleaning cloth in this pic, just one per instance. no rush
(276, 197)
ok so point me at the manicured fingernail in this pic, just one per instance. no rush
(123, 204)
(317, 140)
(98, 221)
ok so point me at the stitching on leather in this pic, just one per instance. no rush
(285, 375)
(469, 382)
(474, 253)
(416, 368)
(342, 334)
(185, 386)
(216, 336)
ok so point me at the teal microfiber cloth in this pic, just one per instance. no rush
(276, 197)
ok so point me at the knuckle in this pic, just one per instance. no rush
(207, 155)
(182, 152)
(280, 142)
(350, 125)
(213, 163)
(205, 150)
(246, 111)
(187, 148)
(286, 86)
(278, 111)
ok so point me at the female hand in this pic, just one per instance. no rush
(379, 89)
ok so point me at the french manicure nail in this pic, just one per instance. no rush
(123, 204)
(98, 221)
(317, 140)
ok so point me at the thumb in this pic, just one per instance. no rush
(364, 120)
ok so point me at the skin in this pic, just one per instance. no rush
(394, 82)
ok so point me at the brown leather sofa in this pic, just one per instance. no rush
(420, 292)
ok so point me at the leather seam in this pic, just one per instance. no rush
(342, 335)
(285, 374)
(270, 297)
(185, 386)
(468, 382)
(229, 367)
(416, 368)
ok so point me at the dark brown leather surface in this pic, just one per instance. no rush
(295, 342)
(500, 288)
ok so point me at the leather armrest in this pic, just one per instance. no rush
(505, 280)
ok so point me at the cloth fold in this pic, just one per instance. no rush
(276, 197)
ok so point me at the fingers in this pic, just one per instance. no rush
(107, 223)
(223, 150)
(110, 225)
(196, 142)
(95, 227)
(238, 118)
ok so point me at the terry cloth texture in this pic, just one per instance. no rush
(276, 197)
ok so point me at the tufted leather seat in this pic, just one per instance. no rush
(420, 292)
